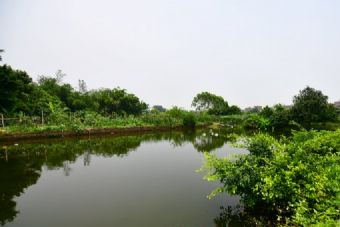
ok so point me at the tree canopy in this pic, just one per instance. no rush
(207, 101)
(311, 105)
(18, 93)
(213, 104)
(15, 89)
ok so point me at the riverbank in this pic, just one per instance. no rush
(89, 132)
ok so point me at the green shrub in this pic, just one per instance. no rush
(232, 120)
(189, 120)
(176, 112)
(256, 122)
(298, 179)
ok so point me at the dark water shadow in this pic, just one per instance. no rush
(21, 164)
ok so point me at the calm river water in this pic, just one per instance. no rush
(145, 180)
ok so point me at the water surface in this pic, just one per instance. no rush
(139, 180)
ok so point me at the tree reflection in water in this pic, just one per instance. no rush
(243, 217)
(16, 174)
(20, 166)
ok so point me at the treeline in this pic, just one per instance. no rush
(18, 93)
(53, 102)
(310, 109)
(50, 105)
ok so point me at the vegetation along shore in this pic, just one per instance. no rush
(291, 171)
(51, 106)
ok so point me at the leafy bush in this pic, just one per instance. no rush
(160, 119)
(297, 179)
(204, 118)
(256, 122)
(232, 119)
(176, 112)
(189, 120)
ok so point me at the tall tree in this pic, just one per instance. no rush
(118, 101)
(311, 106)
(210, 102)
(72, 99)
(15, 89)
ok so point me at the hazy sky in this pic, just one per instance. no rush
(251, 52)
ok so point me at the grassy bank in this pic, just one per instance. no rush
(87, 122)
(62, 123)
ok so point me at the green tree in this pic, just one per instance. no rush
(311, 106)
(15, 89)
(234, 110)
(280, 119)
(130, 104)
(40, 100)
(212, 103)
(118, 101)
(267, 112)
(72, 99)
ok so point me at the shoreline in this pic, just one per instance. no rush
(90, 132)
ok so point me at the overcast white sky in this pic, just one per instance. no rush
(166, 51)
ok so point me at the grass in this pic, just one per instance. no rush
(78, 121)
(83, 121)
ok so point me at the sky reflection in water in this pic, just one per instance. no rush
(139, 180)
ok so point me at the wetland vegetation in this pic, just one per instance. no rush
(286, 174)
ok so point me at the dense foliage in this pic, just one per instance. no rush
(213, 104)
(312, 106)
(15, 89)
(51, 105)
(295, 179)
(310, 110)
(18, 93)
